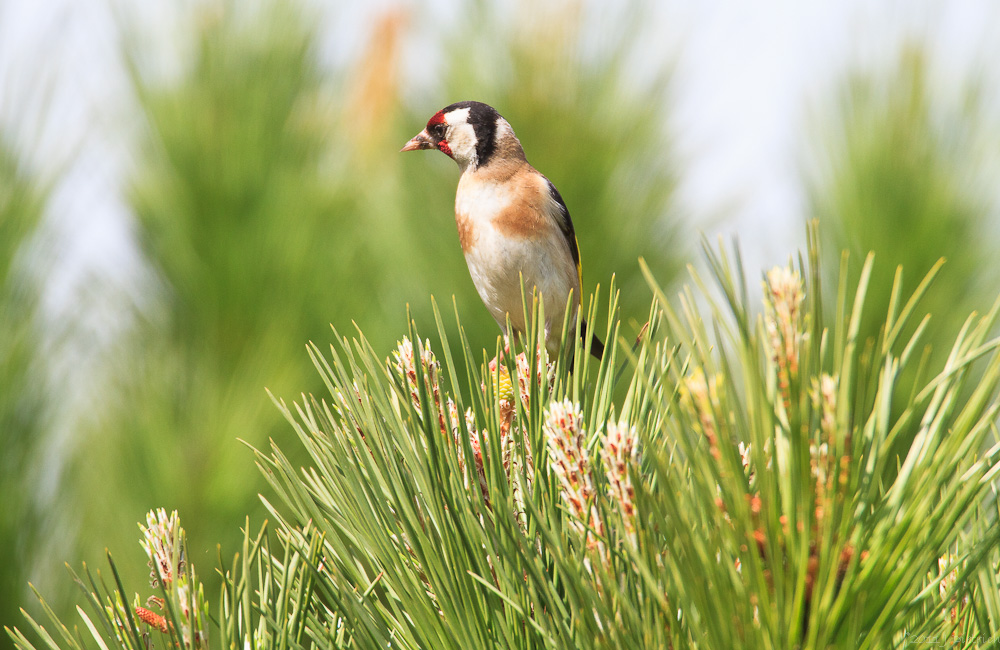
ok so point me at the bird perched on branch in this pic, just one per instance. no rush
(512, 222)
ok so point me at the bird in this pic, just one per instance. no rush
(512, 222)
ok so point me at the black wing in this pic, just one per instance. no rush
(566, 226)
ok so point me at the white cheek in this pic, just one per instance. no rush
(462, 142)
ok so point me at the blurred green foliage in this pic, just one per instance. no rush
(896, 181)
(240, 226)
(22, 392)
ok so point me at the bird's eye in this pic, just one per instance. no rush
(438, 129)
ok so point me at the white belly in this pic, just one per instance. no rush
(497, 266)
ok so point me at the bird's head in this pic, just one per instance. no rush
(467, 131)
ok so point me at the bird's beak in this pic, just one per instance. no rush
(420, 141)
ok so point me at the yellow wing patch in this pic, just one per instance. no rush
(579, 267)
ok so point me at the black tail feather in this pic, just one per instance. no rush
(596, 346)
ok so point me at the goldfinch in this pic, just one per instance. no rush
(512, 222)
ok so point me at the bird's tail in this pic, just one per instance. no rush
(596, 346)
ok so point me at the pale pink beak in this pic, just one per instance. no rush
(420, 141)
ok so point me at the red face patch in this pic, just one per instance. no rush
(437, 118)
(436, 128)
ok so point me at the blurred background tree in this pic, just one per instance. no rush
(248, 237)
(897, 177)
(24, 398)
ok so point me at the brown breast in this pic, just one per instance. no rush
(466, 232)
(524, 218)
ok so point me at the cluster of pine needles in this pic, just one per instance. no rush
(755, 478)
